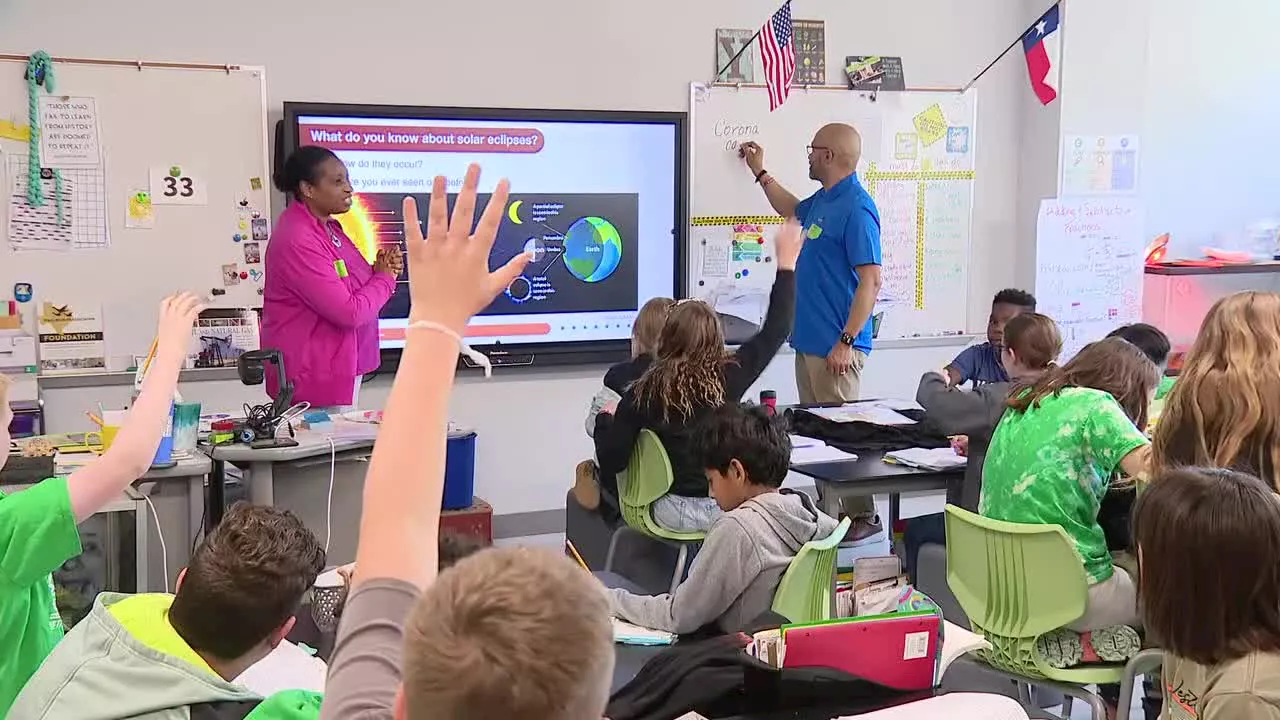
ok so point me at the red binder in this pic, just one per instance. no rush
(899, 650)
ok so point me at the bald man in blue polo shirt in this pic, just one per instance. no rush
(837, 276)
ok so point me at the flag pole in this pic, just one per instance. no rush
(737, 55)
(1004, 52)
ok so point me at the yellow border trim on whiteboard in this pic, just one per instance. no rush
(713, 220)
(921, 177)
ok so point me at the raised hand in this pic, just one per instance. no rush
(178, 314)
(787, 244)
(449, 277)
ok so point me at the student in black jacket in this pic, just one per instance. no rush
(691, 374)
(644, 343)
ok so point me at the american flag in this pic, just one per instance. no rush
(779, 55)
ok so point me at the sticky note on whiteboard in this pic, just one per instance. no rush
(931, 125)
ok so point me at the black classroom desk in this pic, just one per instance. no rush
(629, 659)
(871, 475)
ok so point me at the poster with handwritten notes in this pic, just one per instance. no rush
(918, 163)
(1089, 265)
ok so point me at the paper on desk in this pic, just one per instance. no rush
(802, 441)
(928, 458)
(628, 634)
(818, 454)
(288, 667)
(898, 405)
(987, 706)
(863, 412)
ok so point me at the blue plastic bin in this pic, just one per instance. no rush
(459, 469)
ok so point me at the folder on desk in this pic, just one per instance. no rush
(898, 650)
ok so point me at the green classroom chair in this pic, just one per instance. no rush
(807, 592)
(648, 477)
(1017, 582)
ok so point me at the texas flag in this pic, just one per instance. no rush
(1042, 48)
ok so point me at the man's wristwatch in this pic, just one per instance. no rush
(761, 174)
(847, 339)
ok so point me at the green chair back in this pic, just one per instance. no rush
(648, 477)
(1017, 582)
(807, 592)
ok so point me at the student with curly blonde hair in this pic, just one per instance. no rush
(1223, 411)
(691, 374)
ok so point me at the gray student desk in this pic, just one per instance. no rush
(869, 475)
(312, 455)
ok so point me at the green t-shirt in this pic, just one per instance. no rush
(37, 534)
(1051, 465)
(1165, 387)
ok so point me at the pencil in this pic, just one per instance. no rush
(574, 551)
(151, 354)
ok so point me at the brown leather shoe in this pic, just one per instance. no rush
(586, 486)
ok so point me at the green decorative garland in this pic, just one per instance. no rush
(39, 74)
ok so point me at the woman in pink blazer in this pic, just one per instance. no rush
(321, 297)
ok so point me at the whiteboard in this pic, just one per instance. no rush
(917, 162)
(212, 125)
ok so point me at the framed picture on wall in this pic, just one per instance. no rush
(734, 64)
(810, 38)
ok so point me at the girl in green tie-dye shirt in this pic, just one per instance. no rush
(1058, 448)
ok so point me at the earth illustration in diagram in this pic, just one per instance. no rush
(592, 249)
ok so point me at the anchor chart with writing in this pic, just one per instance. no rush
(875, 177)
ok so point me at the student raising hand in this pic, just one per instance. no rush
(449, 278)
(135, 445)
(398, 549)
(787, 244)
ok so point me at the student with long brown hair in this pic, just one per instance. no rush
(692, 374)
(1057, 449)
(1224, 410)
(644, 344)
(1030, 345)
(1207, 542)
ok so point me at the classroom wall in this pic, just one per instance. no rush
(1209, 124)
(555, 53)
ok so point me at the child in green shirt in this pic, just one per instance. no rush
(38, 525)
(1207, 542)
(1057, 450)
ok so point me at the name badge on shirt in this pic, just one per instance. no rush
(814, 231)
(340, 266)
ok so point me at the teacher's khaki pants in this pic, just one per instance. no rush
(817, 384)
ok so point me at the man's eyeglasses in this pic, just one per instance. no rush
(810, 148)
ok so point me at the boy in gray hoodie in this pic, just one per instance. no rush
(746, 454)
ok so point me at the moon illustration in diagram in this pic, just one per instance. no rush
(513, 212)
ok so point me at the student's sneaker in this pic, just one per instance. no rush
(586, 486)
(1065, 648)
(862, 528)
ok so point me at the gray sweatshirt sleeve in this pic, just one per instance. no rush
(956, 411)
(725, 566)
(364, 673)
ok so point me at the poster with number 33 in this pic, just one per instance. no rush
(177, 185)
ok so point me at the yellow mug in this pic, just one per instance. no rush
(105, 438)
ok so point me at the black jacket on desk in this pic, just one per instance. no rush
(616, 434)
(965, 412)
